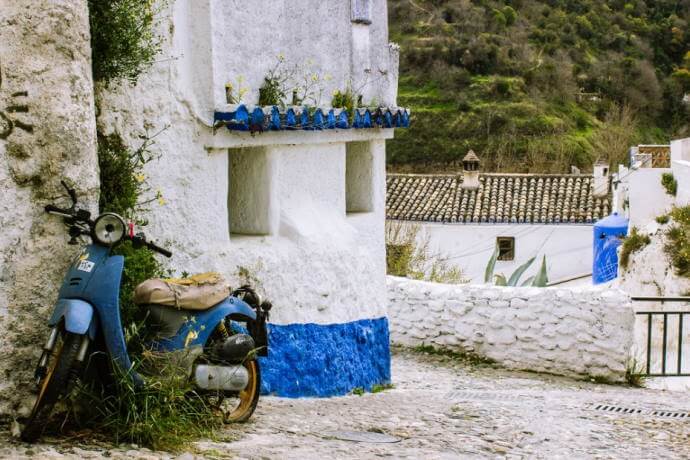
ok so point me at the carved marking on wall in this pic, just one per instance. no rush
(13, 104)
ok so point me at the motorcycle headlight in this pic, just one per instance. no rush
(109, 229)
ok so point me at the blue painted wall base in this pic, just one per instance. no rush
(326, 360)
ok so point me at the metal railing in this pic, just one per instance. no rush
(664, 333)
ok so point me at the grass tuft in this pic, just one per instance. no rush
(632, 243)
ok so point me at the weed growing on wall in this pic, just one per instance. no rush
(678, 241)
(408, 255)
(123, 188)
(632, 243)
(669, 183)
(123, 40)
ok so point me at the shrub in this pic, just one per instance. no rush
(123, 41)
(662, 219)
(165, 414)
(678, 243)
(669, 183)
(632, 243)
(408, 255)
(123, 184)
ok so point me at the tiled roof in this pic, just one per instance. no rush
(500, 198)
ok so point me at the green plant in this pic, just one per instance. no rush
(465, 357)
(669, 183)
(662, 219)
(541, 279)
(378, 388)
(359, 391)
(632, 243)
(123, 190)
(633, 374)
(408, 254)
(677, 245)
(123, 40)
(166, 413)
(345, 100)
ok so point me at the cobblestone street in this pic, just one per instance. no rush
(440, 409)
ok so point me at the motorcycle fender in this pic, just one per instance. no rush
(78, 316)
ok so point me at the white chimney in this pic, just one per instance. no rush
(601, 179)
(470, 171)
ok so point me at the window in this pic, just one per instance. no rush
(252, 201)
(359, 177)
(506, 247)
(361, 11)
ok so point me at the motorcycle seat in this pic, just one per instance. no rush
(197, 292)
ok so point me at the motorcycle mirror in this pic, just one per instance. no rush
(71, 192)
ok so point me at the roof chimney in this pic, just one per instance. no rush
(470, 171)
(601, 179)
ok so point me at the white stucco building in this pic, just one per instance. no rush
(298, 210)
(466, 216)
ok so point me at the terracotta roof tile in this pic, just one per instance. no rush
(500, 198)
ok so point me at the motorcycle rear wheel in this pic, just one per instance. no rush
(56, 383)
(239, 407)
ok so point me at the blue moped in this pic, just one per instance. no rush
(86, 321)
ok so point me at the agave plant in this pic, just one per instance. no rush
(541, 279)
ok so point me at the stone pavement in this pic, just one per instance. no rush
(443, 409)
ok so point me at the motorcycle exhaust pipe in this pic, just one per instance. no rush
(227, 378)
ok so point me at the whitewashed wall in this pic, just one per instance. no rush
(647, 198)
(568, 248)
(47, 133)
(579, 332)
(315, 260)
(680, 164)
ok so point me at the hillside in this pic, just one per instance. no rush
(538, 85)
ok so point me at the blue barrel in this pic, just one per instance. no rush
(608, 235)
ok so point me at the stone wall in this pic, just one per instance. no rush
(579, 332)
(47, 132)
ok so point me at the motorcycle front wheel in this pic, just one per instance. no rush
(239, 407)
(54, 385)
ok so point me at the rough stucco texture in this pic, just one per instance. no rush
(47, 133)
(578, 332)
(326, 360)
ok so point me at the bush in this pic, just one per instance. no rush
(123, 41)
(678, 241)
(662, 219)
(164, 415)
(669, 183)
(123, 183)
(632, 243)
(409, 256)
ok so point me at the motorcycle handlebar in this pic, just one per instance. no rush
(51, 208)
(159, 249)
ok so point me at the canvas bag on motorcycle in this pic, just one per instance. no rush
(198, 292)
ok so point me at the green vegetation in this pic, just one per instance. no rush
(471, 359)
(541, 279)
(633, 374)
(408, 255)
(678, 241)
(662, 219)
(123, 186)
(165, 414)
(669, 183)
(123, 39)
(378, 388)
(538, 85)
(632, 243)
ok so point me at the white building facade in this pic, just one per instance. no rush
(297, 210)
(524, 215)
